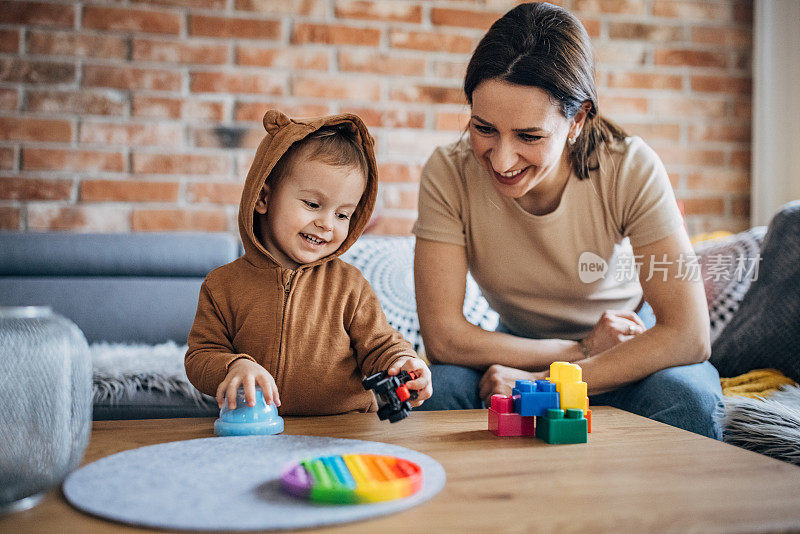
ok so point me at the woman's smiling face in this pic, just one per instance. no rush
(520, 136)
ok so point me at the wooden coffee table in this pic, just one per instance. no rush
(634, 475)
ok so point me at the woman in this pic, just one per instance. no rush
(554, 209)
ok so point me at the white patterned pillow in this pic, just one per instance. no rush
(388, 265)
(728, 266)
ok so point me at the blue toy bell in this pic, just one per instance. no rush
(261, 419)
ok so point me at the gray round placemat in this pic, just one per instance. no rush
(230, 483)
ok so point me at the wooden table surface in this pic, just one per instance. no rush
(634, 475)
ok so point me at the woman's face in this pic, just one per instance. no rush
(520, 136)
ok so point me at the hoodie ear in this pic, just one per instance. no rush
(274, 120)
(263, 199)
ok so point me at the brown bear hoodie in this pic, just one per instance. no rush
(316, 329)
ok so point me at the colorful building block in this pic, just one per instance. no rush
(567, 378)
(503, 421)
(534, 398)
(589, 421)
(559, 428)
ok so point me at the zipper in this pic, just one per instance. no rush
(287, 288)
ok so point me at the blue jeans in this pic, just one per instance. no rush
(685, 396)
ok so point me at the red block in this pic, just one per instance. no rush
(503, 421)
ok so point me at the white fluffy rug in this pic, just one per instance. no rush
(121, 369)
(769, 426)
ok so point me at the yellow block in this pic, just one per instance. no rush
(567, 378)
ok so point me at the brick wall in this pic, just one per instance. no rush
(143, 115)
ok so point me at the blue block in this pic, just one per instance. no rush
(535, 398)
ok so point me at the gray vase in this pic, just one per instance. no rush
(45, 403)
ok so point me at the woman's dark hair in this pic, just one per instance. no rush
(545, 46)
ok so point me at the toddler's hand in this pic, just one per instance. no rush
(422, 384)
(247, 373)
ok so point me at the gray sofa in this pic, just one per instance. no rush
(134, 288)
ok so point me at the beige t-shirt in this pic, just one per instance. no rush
(544, 274)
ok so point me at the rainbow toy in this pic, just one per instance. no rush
(352, 478)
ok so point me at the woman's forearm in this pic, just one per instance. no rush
(658, 348)
(472, 346)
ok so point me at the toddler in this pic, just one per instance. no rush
(289, 316)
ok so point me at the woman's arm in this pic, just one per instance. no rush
(681, 334)
(440, 271)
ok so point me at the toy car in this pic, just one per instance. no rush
(392, 394)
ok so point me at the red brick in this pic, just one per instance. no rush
(29, 129)
(743, 60)
(215, 193)
(202, 110)
(10, 218)
(262, 83)
(9, 41)
(619, 105)
(626, 7)
(703, 206)
(7, 158)
(335, 35)
(17, 70)
(292, 58)
(620, 53)
(398, 172)
(128, 191)
(736, 133)
(147, 134)
(217, 137)
(743, 109)
(722, 84)
(674, 155)
(38, 159)
(34, 189)
(698, 11)
(384, 225)
(284, 7)
(592, 26)
(654, 33)
(430, 94)
(37, 14)
(254, 111)
(131, 20)
(131, 78)
(78, 218)
(80, 103)
(431, 41)
(393, 11)
(388, 64)
(690, 58)
(145, 163)
(201, 4)
(733, 37)
(78, 45)
(450, 69)
(179, 220)
(650, 131)
(688, 107)
(9, 99)
(179, 52)
(643, 80)
(740, 207)
(156, 107)
(388, 118)
(452, 121)
(234, 28)
(743, 12)
(337, 87)
(395, 198)
(722, 180)
(741, 159)
(464, 18)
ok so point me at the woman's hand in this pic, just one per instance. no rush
(499, 380)
(422, 384)
(247, 373)
(613, 328)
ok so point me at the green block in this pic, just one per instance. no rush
(558, 428)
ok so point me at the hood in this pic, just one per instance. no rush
(282, 133)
